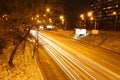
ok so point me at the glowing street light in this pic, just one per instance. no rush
(89, 14)
(37, 16)
(38, 21)
(62, 21)
(44, 15)
(47, 10)
(32, 18)
(61, 17)
(50, 20)
(82, 16)
(114, 13)
(116, 17)
(91, 18)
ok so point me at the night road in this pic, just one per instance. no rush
(68, 59)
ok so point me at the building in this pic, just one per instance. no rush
(106, 14)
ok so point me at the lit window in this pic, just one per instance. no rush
(104, 8)
(106, 11)
(109, 7)
(92, 5)
(116, 5)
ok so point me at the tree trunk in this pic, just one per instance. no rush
(16, 47)
(23, 47)
(12, 55)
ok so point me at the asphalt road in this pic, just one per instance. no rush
(69, 59)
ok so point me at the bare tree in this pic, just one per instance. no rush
(18, 14)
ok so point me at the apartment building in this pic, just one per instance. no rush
(106, 14)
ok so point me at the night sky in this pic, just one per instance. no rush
(73, 8)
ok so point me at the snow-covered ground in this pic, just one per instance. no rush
(105, 39)
(25, 67)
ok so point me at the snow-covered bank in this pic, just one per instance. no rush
(105, 39)
(24, 68)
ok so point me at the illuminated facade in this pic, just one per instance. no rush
(107, 14)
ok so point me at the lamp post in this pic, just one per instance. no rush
(62, 19)
(94, 31)
(91, 19)
(90, 14)
(83, 18)
(116, 16)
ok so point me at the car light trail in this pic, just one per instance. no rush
(77, 68)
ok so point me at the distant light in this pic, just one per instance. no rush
(49, 26)
(61, 17)
(91, 18)
(50, 20)
(114, 13)
(83, 18)
(117, 5)
(89, 14)
(32, 18)
(44, 15)
(41, 27)
(38, 21)
(37, 16)
(82, 15)
(48, 10)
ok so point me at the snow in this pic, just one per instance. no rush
(105, 39)
(25, 67)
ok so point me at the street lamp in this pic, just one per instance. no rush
(90, 14)
(114, 13)
(38, 21)
(32, 18)
(91, 18)
(50, 20)
(83, 18)
(116, 16)
(37, 16)
(48, 10)
(62, 19)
